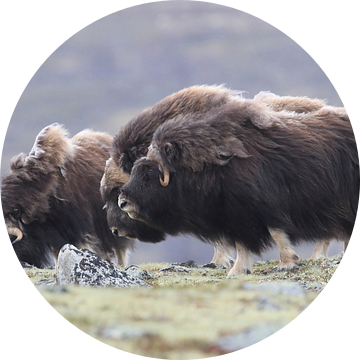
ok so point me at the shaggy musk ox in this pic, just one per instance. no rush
(132, 142)
(247, 175)
(51, 197)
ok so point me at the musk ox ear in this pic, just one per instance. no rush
(171, 152)
(52, 147)
(225, 152)
(126, 162)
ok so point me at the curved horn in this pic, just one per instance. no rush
(153, 154)
(16, 232)
(166, 180)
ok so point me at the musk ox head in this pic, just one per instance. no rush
(51, 196)
(25, 189)
(188, 142)
(144, 197)
(119, 222)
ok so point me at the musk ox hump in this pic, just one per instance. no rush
(88, 137)
(289, 103)
(52, 146)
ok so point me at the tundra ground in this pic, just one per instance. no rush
(190, 313)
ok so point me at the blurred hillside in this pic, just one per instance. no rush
(117, 66)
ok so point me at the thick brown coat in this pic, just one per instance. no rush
(51, 197)
(248, 175)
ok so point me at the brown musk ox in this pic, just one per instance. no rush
(248, 175)
(132, 142)
(50, 197)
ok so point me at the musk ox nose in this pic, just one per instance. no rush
(115, 232)
(122, 204)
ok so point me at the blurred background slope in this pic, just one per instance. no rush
(117, 66)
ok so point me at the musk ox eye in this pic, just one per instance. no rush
(15, 213)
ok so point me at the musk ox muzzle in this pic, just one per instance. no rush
(153, 154)
(15, 232)
(127, 206)
(122, 233)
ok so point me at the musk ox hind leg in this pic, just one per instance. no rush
(242, 265)
(288, 257)
(321, 249)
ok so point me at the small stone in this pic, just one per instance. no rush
(214, 266)
(189, 264)
(175, 269)
(135, 271)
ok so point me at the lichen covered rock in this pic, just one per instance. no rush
(83, 267)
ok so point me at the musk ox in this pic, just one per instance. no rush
(132, 142)
(248, 175)
(51, 197)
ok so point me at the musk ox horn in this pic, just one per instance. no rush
(16, 232)
(166, 180)
(153, 154)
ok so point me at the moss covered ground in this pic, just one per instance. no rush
(190, 313)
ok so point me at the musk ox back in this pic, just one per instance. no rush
(51, 197)
(248, 175)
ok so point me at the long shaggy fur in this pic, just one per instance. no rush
(133, 139)
(132, 142)
(240, 170)
(52, 195)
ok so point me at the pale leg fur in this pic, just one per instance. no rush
(242, 264)
(321, 249)
(117, 257)
(287, 254)
(122, 256)
(112, 257)
(222, 255)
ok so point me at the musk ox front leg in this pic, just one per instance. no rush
(242, 264)
(222, 255)
(288, 257)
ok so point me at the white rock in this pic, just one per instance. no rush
(83, 267)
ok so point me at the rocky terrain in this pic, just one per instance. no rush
(182, 310)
